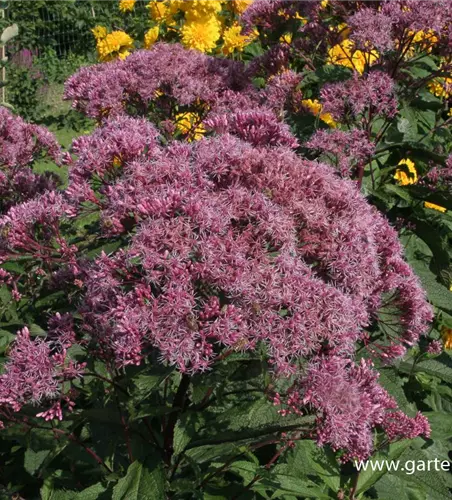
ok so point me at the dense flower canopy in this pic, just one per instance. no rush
(233, 241)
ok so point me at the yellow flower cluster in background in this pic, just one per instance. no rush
(315, 108)
(404, 178)
(126, 5)
(203, 25)
(441, 87)
(345, 54)
(117, 44)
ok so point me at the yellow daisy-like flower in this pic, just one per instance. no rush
(324, 4)
(201, 34)
(446, 335)
(286, 38)
(426, 39)
(344, 54)
(438, 208)
(99, 32)
(314, 106)
(189, 124)
(126, 5)
(116, 44)
(150, 37)
(234, 40)
(402, 177)
(163, 12)
(200, 9)
(441, 87)
(239, 6)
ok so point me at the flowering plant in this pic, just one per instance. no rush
(218, 303)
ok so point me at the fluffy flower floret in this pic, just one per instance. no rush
(33, 374)
(349, 402)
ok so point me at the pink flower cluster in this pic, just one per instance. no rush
(234, 244)
(165, 74)
(233, 241)
(34, 375)
(20, 144)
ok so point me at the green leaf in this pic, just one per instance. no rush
(5, 340)
(34, 459)
(431, 481)
(441, 424)
(437, 293)
(282, 480)
(367, 478)
(143, 481)
(440, 367)
(308, 458)
(91, 493)
(185, 430)
(392, 382)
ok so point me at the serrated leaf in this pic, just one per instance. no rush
(143, 481)
(430, 480)
(367, 478)
(441, 424)
(5, 340)
(34, 459)
(91, 493)
(437, 293)
(185, 430)
(308, 458)
(440, 367)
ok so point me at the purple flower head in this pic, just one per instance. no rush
(20, 144)
(256, 127)
(372, 95)
(237, 243)
(33, 374)
(346, 150)
(185, 76)
(349, 403)
(435, 347)
(371, 28)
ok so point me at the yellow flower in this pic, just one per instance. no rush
(200, 9)
(239, 6)
(402, 177)
(189, 124)
(434, 207)
(234, 40)
(425, 38)
(114, 45)
(99, 32)
(446, 335)
(117, 161)
(441, 87)
(286, 38)
(316, 109)
(163, 12)
(344, 54)
(324, 4)
(201, 34)
(150, 37)
(126, 5)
